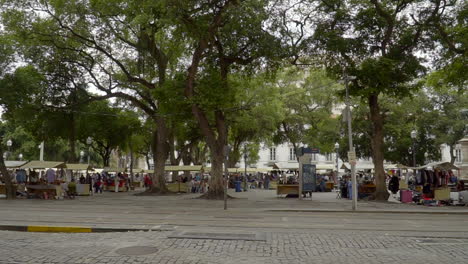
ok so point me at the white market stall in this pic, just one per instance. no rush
(48, 186)
(76, 169)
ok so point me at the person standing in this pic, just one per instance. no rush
(394, 184)
(267, 182)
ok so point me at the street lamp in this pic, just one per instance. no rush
(20, 156)
(89, 141)
(81, 156)
(351, 147)
(426, 155)
(245, 165)
(226, 151)
(9, 144)
(337, 147)
(414, 134)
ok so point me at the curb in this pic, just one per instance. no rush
(75, 229)
(368, 211)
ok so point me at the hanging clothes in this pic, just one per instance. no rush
(427, 189)
(453, 178)
(50, 175)
(394, 185)
(418, 178)
(20, 176)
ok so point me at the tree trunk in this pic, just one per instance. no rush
(147, 157)
(377, 142)
(235, 154)
(72, 139)
(9, 188)
(452, 156)
(216, 143)
(186, 159)
(160, 152)
(216, 183)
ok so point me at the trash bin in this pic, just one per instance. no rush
(238, 186)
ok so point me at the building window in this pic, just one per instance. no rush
(458, 156)
(272, 153)
(292, 154)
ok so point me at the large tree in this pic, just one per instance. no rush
(225, 37)
(126, 49)
(377, 42)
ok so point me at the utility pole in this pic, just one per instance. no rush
(226, 174)
(245, 163)
(351, 147)
(41, 154)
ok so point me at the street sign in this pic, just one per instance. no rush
(309, 177)
(303, 151)
(352, 157)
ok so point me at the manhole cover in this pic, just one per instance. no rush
(137, 250)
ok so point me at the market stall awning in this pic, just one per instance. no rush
(14, 164)
(359, 166)
(183, 168)
(242, 170)
(110, 169)
(36, 164)
(79, 167)
(286, 166)
(194, 168)
(325, 166)
(391, 166)
(434, 165)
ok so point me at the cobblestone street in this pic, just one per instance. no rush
(279, 248)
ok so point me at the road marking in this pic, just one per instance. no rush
(59, 229)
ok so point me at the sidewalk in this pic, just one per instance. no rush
(252, 209)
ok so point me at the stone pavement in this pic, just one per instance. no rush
(129, 211)
(289, 236)
(279, 248)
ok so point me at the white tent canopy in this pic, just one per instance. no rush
(36, 164)
(434, 165)
(14, 164)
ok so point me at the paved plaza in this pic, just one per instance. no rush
(279, 248)
(258, 227)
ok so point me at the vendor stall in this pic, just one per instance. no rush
(433, 184)
(76, 170)
(47, 184)
(13, 165)
(114, 180)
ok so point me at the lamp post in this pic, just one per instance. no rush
(337, 147)
(9, 144)
(81, 156)
(89, 141)
(227, 149)
(350, 138)
(414, 134)
(41, 151)
(20, 156)
(245, 165)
